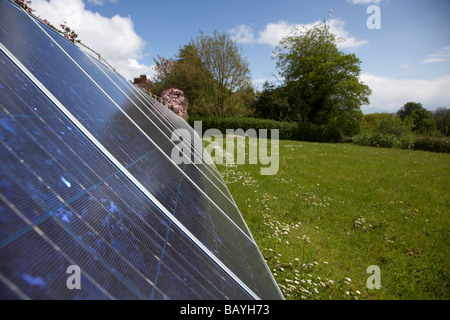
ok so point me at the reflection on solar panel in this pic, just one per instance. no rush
(86, 180)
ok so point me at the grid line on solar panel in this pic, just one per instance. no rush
(225, 189)
(159, 117)
(62, 41)
(9, 291)
(46, 218)
(65, 204)
(215, 200)
(168, 115)
(124, 170)
(167, 133)
(132, 158)
(167, 236)
(235, 219)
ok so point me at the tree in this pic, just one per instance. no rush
(422, 119)
(322, 83)
(442, 119)
(387, 123)
(213, 75)
(163, 68)
(272, 103)
(184, 72)
(222, 59)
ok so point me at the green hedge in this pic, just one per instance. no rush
(324, 133)
(441, 145)
(318, 133)
(378, 139)
(384, 140)
(287, 130)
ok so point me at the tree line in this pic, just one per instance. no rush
(321, 85)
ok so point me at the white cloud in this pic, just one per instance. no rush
(242, 34)
(405, 66)
(364, 1)
(443, 55)
(389, 95)
(114, 38)
(274, 33)
(337, 27)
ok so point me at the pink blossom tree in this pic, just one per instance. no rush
(176, 101)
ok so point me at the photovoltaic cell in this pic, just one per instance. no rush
(86, 179)
(122, 96)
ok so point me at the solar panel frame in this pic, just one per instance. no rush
(237, 216)
(124, 171)
(124, 168)
(44, 220)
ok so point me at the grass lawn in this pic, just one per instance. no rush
(333, 210)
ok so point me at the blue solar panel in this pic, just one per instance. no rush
(86, 179)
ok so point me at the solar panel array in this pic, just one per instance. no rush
(87, 180)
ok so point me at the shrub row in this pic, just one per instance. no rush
(323, 133)
(378, 139)
(287, 130)
(384, 140)
(318, 133)
(441, 145)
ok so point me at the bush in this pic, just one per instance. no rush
(378, 139)
(288, 130)
(432, 144)
(315, 133)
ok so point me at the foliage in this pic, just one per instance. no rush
(321, 83)
(440, 145)
(348, 121)
(272, 103)
(286, 129)
(421, 118)
(378, 139)
(163, 68)
(213, 75)
(385, 130)
(186, 73)
(318, 133)
(222, 58)
(176, 101)
(442, 119)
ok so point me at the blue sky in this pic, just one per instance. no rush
(408, 59)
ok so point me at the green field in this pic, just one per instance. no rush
(333, 210)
